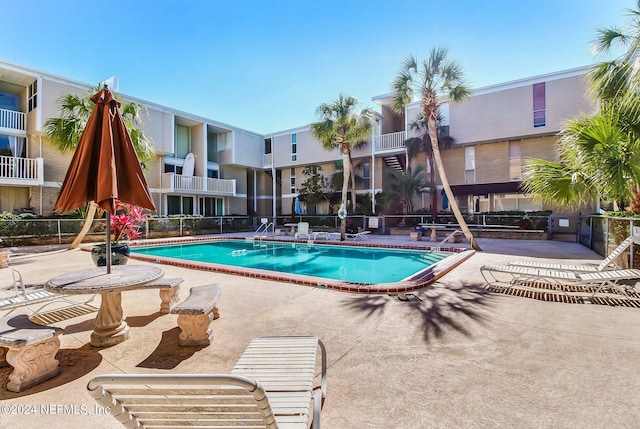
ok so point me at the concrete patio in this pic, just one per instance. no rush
(459, 357)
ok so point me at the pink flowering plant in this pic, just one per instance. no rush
(126, 222)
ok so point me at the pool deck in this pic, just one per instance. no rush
(454, 356)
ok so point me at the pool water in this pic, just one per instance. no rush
(345, 263)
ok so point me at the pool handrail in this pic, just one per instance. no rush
(444, 241)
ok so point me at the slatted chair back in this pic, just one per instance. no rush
(212, 400)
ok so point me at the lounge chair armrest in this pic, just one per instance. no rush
(320, 393)
(318, 403)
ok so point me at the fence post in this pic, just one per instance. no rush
(59, 233)
(549, 228)
(180, 226)
(146, 228)
(631, 247)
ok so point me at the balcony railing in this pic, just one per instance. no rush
(267, 160)
(390, 141)
(21, 171)
(172, 182)
(13, 120)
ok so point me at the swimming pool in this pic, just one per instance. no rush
(344, 263)
(334, 266)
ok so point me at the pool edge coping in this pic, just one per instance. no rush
(419, 280)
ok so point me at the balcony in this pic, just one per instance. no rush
(21, 171)
(267, 160)
(172, 182)
(389, 142)
(13, 122)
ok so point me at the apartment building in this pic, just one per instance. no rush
(217, 156)
(206, 167)
(494, 132)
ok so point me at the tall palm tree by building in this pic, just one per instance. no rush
(342, 127)
(422, 143)
(434, 78)
(64, 133)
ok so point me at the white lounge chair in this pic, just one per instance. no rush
(362, 235)
(616, 280)
(271, 387)
(606, 263)
(21, 296)
(303, 230)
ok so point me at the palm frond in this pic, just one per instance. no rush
(549, 182)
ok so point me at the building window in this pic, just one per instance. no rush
(267, 146)
(182, 141)
(539, 105)
(33, 96)
(293, 181)
(366, 174)
(212, 148)
(470, 164)
(515, 161)
(211, 206)
(212, 174)
(294, 147)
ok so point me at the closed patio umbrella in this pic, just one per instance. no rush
(105, 166)
(298, 207)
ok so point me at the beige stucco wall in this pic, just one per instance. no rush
(492, 162)
(248, 149)
(199, 149)
(540, 147)
(508, 113)
(453, 160)
(50, 95)
(309, 150)
(159, 126)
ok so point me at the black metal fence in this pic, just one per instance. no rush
(600, 233)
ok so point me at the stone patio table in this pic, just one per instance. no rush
(434, 230)
(293, 227)
(110, 325)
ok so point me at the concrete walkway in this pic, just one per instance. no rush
(457, 357)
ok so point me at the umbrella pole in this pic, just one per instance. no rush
(108, 247)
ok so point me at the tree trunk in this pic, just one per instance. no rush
(434, 191)
(634, 207)
(346, 172)
(433, 133)
(85, 228)
(352, 178)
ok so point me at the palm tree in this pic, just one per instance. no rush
(336, 180)
(434, 78)
(422, 143)
(599, 157)
(405, 186)
(64, 133)
(618, 79)
(599, 154)
(342, 127)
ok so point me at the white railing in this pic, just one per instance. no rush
(21, 170)
(221, 186)
(390, 141)
(267, 160)
(13, 120)
(179, 183)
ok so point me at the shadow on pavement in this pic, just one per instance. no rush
(441, 308)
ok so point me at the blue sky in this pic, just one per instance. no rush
(266, 65)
